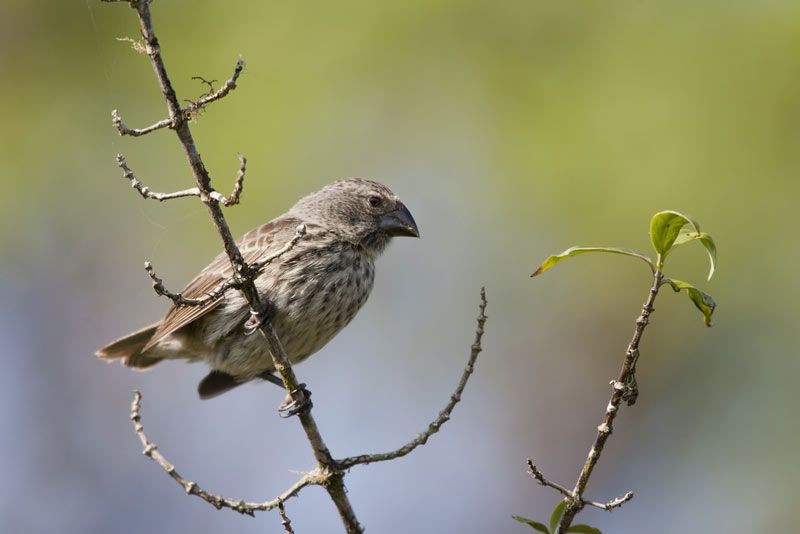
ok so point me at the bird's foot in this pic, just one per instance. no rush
(257, 320)
(296, 406)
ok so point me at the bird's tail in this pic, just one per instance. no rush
(129, 349)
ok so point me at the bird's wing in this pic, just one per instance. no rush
(256, 244)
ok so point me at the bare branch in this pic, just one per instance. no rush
(137, 132)
(230, 84)
(444, 415)
(285, 521)
(623, 389)
(238, 186)
(234, 282)
(192, 488)
(145, 191)
(178, 299)
(616, 503)
(299, 232)
(539, 477)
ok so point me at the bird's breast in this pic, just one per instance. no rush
(316, 297)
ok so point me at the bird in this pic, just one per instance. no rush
(311, 292)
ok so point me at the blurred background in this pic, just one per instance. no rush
(512, 130)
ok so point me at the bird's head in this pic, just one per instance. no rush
(363, 212)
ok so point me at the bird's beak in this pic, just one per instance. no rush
(399, 223)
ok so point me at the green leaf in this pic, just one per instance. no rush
(685, 236)
(531, 523)
(701, 300)
(664, 229)
(574, 251)
(584, 529)
(555, 517)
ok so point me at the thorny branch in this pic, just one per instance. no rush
(285, 521)
(328, 472)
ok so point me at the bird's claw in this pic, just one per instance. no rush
(291, 406)
(257, 320)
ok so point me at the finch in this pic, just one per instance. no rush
(312, 291)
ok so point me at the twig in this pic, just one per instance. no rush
(208, 83)
(211, 96)
(178, 299)
(145, 191)
(444, 415)
(192, 488)
(238, 186)
(610, 505)
(623, 388)
(285, 521)
(234, 282)
(137, 132)
(299, 232)
(540, 478)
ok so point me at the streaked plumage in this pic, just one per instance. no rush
(314, 290)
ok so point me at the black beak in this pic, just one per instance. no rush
(399, 223)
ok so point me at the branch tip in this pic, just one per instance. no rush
(238, 186)
(116, 120)
(198, 105)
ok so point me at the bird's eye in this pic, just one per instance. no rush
(375, 201)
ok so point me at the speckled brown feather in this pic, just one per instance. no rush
(254, 245)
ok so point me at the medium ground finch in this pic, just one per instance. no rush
(311, 292)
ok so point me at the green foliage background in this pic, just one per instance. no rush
(512, 130)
